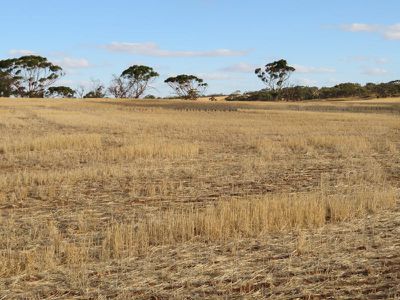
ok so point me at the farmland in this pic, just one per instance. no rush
(125, 199)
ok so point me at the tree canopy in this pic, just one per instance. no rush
(275, 75)
(187, 86)
(133, 82)
(30, 75)
(60, 92)
(7, 84)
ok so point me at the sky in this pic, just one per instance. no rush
(221, 41)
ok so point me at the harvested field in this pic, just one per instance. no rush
(170, 199)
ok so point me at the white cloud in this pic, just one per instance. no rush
(152, 49)
(358, 58)
(368, 59)
(389, 32)
(73, 63)
(381, 60)
(375, 72)
(59, 58)
(309, 70)
(240, 68)
(393, 32)
(360, 27)
(21, 52)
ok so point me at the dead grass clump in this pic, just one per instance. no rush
(52, 178)
(384, 146)
(343, 145)
(269, 149)
(153, 149)
(242, 218)
(359, 202)
(226, 220)
(57, 142)
(296, 145)
(310, 144)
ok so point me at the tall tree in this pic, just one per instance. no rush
(187, 86)
(118, 87)
(31, 74)
(275, 75)
(133, 82)
(7, 84)
(80, 91)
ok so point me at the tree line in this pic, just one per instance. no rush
(343, 90)
(33, 76)
(276, 76)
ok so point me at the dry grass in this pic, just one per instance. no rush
(92, 192)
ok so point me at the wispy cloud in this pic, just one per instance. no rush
(389, 32)
(311, 70)
(392, 32)
(360, 27)
(381, 60)
(59, 58)
(21, 52)
(240, 68)
(368, 59)
(152, 49)
(375, 72)
(73, 63)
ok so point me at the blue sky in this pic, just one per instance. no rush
(221, 41)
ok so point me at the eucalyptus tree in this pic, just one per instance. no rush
(7, 84)
(187, 86)
(133, 82)
(31, 75)
(275, 76)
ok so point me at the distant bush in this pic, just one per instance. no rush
(60, 92)
(262, 95)
(215, 95)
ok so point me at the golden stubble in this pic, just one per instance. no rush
(91, 183)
